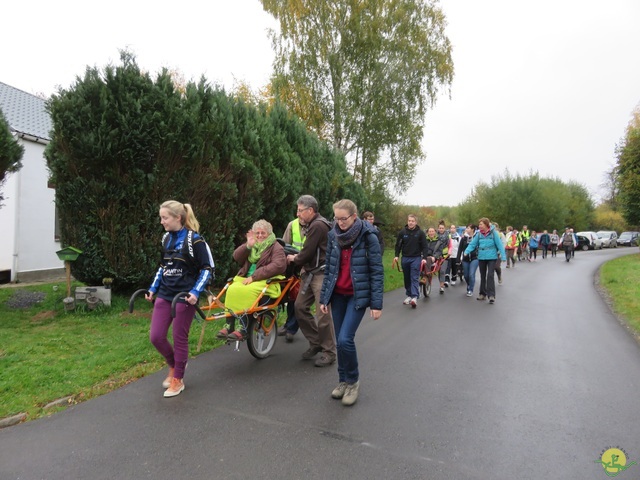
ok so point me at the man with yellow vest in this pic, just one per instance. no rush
(294, 236)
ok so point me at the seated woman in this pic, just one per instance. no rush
(262, 258)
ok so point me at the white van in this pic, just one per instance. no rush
(596, 242)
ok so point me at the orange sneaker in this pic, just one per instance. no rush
(167, 381)
(176, 388)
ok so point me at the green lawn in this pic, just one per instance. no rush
(621, 280)
(47, 353)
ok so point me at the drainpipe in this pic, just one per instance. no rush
(16, 236)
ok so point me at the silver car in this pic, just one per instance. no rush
(609, 238)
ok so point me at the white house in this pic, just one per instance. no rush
(29, 241)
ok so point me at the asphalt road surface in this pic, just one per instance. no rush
(536, 386)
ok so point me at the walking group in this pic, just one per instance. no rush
(480, 247)
(341, 273)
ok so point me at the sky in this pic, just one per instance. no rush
(546, 86)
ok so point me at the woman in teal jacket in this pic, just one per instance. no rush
(353, 281)
(490, 248)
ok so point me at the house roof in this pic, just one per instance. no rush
(25, 112)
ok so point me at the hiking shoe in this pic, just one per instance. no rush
(288, 337)
(311, 352)
(325, 360)
(414, 302)
(338, 392)
(481, 298)
(492, 300)
(441, 290)
(407, 301)
(446, 284)
(237, 335)
(223, 333)
(351, 394)
(176, 388)
(469, 293)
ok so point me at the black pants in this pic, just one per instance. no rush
(568, 252)
(487, 280)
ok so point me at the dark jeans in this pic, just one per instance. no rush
(554, 249)
(568, 253)
(533, 252)
(544, 250)
(291, 325)
(411, 271)
(487, 280)
(346, 320)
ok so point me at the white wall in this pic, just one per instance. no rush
(8, 221)
(35, 247)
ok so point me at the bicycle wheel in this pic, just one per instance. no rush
(262, 334)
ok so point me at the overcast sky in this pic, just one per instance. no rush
(545, 86)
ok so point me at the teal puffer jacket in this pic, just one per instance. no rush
(489, 246)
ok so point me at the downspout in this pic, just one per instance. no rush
(16, 232)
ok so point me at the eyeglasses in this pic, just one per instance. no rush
(300, 210)
(260, 234)
(342, 219)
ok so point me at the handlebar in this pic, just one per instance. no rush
(133, 298)
(184, 295)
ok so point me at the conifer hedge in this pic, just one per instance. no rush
(123, 143)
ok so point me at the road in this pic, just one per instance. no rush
(536, 386)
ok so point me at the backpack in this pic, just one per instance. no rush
(186, 252)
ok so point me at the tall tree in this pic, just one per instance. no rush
(628, 170)
(10, 153)
(362, 74)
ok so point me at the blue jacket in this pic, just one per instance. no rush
(177, 274)
(489, 246)
(367, 273)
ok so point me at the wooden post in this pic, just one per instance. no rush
(67, 266)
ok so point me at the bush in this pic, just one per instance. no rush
(124, 143)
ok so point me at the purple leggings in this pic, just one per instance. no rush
(177, 355)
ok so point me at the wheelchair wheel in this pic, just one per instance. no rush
(426, 287)
(261, 334)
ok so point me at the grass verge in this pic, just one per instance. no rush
(621, 280)
(48, 354)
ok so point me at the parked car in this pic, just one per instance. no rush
(609, 238)
(596, 242)
(628, 239)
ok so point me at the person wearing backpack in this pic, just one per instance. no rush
(311, 258)
(568, 242)
(490, 250)
(186, 266)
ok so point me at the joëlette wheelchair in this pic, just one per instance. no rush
(427, 275)
(259, 320)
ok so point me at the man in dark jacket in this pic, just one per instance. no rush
(412, 243)
(311, 258)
